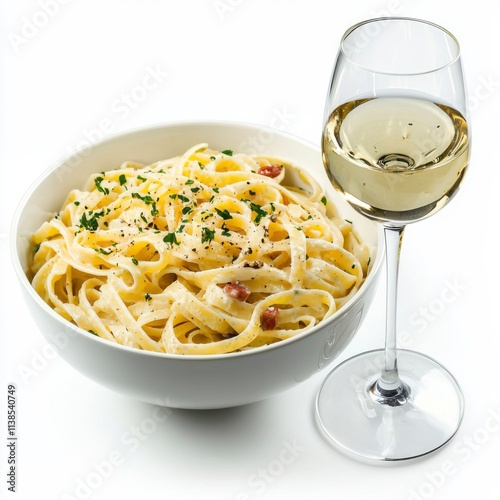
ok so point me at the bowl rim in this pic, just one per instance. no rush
(47, 172)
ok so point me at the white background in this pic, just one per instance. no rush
(74, 71)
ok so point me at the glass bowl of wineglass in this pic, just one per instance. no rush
(396, 146)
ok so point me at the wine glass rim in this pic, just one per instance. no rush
(396, 18)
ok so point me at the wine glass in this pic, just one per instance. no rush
(396, 146)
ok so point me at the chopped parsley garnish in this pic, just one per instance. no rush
(146, 198)
(97, 182)
(207, 234)
(122, 179)
(189, 182)
(148, 201)
(324, 200)
(258, 210)
(227, 152)
(224, 214)
(103, 251)
(170, 238)
(147, 297)
(135, 261)
(91, 224)
(142, 179)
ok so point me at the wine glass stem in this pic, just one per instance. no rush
(389, 389)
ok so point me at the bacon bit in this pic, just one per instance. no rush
(271, 170)
(269, 318)
(237, 291)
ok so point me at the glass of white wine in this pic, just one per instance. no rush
(396, 146)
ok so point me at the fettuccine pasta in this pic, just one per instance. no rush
(209, 252)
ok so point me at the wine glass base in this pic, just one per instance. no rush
(357, 424)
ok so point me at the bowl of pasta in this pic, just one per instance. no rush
(195, 265)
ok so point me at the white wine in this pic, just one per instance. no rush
(396, 159)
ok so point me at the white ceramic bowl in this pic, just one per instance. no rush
(190, 381)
